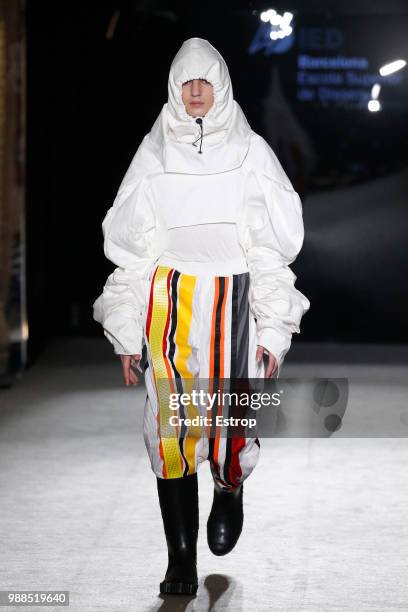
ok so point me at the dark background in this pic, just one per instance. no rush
(92, 96)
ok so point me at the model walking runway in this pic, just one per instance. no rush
(203, 229)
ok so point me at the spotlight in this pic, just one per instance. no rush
(374, 106)
(280, 23)
(392, 67)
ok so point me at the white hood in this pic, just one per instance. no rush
(161, 190)
(226, 132)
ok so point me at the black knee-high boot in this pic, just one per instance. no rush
(226, 518)
(179, 507)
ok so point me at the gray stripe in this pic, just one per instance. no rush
(241, 324)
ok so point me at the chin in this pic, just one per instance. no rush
(197, 112)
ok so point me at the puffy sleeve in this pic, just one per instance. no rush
(273, 235)
(129, 230)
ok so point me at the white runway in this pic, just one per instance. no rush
(325, 519)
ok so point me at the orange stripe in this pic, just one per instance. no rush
(164, 471)
(222, 352)
(222, 326)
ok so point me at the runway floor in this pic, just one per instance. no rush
(325, 518)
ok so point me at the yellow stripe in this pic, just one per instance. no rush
(164, 375)
(164, 386)
(184, 317)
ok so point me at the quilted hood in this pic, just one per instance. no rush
(224, 133)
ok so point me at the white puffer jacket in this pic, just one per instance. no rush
(237, 178)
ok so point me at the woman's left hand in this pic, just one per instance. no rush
(272, 361)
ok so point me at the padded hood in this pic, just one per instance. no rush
(224, 134)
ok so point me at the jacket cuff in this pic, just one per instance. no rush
(275, 343)
(130, 348)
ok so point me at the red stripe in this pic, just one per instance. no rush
(150, 308)
(166, 329)
(234, 468)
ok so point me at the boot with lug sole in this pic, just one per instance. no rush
(178, 499)
(226, 519)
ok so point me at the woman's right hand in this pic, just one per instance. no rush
(130, 375)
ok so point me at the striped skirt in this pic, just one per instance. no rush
(198, 327)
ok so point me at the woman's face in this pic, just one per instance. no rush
(198, 97)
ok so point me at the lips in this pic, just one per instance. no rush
(196, 103)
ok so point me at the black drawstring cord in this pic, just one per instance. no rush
(200, 122)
